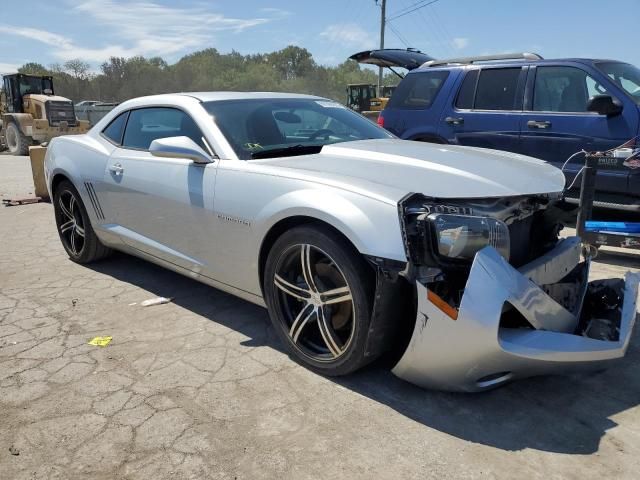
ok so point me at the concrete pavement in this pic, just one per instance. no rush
(200, 387)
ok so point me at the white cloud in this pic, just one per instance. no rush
(40, 35)
(348, 34)
(142, 28)
(8, 68)
(460, 42)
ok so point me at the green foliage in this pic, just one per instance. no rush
(291, 69)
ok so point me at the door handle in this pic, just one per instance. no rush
(454, 120)
(538, 124)
(116, 169)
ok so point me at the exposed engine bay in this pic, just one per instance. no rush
(522, 307)
(524, 228)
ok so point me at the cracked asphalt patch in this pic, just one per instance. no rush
(200, 388)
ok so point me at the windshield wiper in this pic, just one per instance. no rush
(291, 151)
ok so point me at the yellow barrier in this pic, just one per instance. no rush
(36, 154)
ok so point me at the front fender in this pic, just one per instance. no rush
(23, 120)
(372, 226)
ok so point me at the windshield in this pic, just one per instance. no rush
(625, 75)
(31, 85)
(254, 127)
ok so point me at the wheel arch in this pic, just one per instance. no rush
(369, 225)
(58, 178)
(286, 224)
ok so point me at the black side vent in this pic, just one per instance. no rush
(94, 200)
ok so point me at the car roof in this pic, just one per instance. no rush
(213, 96)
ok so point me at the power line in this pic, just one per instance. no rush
(398, 35)
(408, 7)
(420, 5)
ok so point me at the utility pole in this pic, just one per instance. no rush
(383, 14)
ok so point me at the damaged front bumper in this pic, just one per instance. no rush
(476, 351)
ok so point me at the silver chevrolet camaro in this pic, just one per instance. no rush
(447, 259)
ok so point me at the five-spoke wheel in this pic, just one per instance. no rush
(74, 227)
(317, 291)
(316, 300)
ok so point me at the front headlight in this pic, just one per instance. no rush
(462, 236)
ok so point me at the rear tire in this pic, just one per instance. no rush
(318, 290)
(74, 227)
(17, 142)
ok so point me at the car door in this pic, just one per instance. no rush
(162, 206)
(485, 111)
(556, 123)
(414, 109)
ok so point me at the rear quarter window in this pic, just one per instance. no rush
(115, 129)
(418, 91)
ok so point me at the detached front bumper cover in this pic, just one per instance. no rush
(474, 352)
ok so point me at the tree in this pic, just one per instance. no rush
(291, 69)
(33, 68)
(77, 69)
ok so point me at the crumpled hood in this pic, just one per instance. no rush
(391, 168)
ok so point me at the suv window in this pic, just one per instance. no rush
(467, 90)
(418, 90)
(496, 89)
(115, 129)
(148, 124)
(564, 89)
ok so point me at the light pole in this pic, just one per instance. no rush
(383, 10)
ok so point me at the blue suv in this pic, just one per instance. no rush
(522, 103)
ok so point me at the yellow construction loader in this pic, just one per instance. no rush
(31, 113)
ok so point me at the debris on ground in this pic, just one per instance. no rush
(100, 341)
(155, 301)
(13, 202)
(13, 450)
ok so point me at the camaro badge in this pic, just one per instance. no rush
(239, 221)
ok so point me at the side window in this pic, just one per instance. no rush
(563, 89)
(467, 90)
(418, 91)
(496, 89)
(115, 129)
(148, 124)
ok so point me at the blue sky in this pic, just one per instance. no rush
(93, 30)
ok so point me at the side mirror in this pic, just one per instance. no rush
(604, 105)
(179, 147)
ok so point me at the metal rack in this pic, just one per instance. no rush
(601, 234)
(484, 58)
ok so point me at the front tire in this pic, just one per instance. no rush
(17, 142)
(74, 227)
(318, 290)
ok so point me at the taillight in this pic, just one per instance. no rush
(380, 120)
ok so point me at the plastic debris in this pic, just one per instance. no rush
(100, 341)
(155, 301)
(13, 450)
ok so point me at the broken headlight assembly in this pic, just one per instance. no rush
(457, 238)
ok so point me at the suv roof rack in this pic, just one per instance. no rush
(484, 58)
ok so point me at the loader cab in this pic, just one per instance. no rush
(18, 86)
(359, 96)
